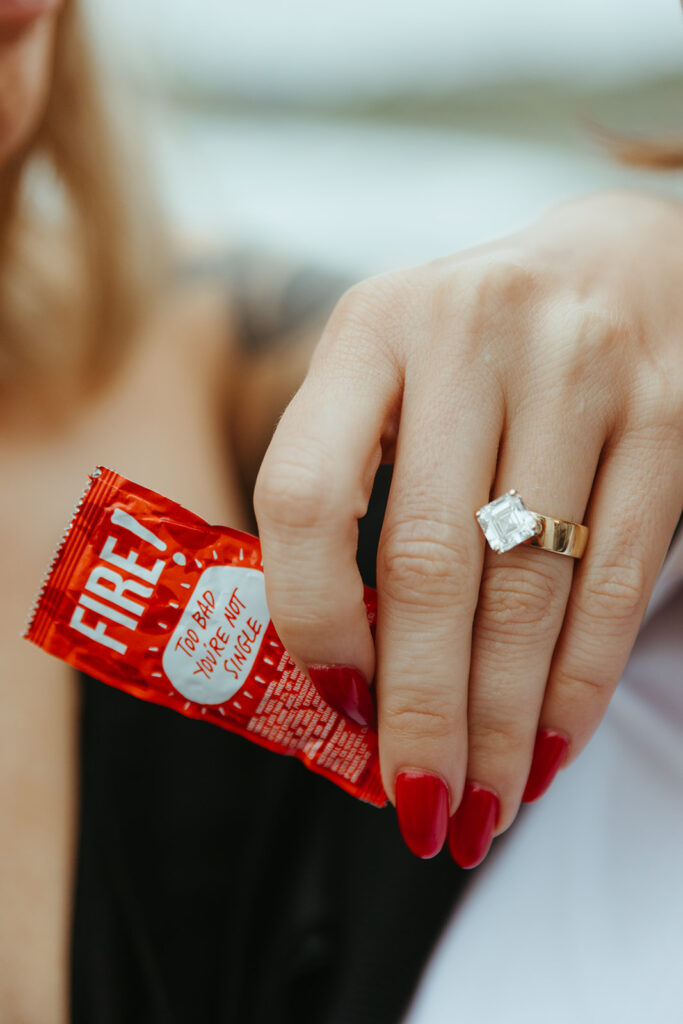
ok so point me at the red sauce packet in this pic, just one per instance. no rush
(150, 598)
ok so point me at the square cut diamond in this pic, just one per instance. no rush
(506, 522)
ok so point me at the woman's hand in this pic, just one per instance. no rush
(551, 362)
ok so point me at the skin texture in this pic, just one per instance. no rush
(25, 61)
(551, 362)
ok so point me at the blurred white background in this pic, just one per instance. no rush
(368, 135)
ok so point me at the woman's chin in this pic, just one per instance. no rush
(18, 13)
(25, 71)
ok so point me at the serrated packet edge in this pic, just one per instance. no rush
(30, 619)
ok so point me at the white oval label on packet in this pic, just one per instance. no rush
(214, 646)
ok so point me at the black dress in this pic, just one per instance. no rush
(217, 882)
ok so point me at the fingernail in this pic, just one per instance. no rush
(472, 826)
(344, 688)
(422, 811)
(549, 753)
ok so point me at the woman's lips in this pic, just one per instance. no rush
(17, 11)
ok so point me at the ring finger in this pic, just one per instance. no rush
(521, 607)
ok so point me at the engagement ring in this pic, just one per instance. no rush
(507, 522)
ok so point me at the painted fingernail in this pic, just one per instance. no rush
(344, 688)
(472, 826)
(549, 753)
(422, 811)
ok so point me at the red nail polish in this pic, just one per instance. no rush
(344, 688)
(549, 753)
(472, 825)
(422, 810)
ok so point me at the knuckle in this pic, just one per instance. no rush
(502, 280)
(589, 327)
(294, 490)
(586, 340)
(302, 621)
(366, 304)
(614, 594)
(667, 409)
(311, 620)
(506, 738)
(517, 603)
(423, 558)
(657, 411)
(484, 291)
(366, 328)
(411, 717)
(580, 687)
(581, 320)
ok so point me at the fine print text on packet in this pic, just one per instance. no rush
(153, 600)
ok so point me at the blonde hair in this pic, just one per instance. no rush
(76, 273)
(655, 153)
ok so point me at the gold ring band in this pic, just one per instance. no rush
(507, 522)
(560, 535)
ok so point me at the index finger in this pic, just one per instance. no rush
(313, 486)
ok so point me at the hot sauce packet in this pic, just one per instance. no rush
(151, 599)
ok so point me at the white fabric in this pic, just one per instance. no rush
(578, 916)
